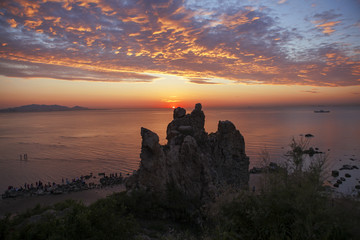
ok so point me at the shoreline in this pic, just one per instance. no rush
(19, 205)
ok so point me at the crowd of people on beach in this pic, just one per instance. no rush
(73, 185)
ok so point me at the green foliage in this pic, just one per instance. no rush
(173, 205)
(282, 214)
(292, 205)
(114, 217)
(110, 220)
(105, 219)
(4, 226)
(67, 204)
(296, 154)
(142, 204)
(180, 207)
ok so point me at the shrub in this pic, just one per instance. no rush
(180, 207)
(105, 219)
(292, 205)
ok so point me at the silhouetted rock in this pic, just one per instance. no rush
(335, 173)
(228, 151)
(272, 167)
(348, 167)
(196, 163)
(179, 112)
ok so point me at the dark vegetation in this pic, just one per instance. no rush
(292, 204)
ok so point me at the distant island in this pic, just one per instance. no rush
(42, 108)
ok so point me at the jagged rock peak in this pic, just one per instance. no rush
(186, 124)
(226, 127)
(179, 112)
(196, 163)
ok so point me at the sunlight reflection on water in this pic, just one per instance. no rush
(71, 144)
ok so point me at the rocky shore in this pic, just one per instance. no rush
(340, 179)
(75, 185)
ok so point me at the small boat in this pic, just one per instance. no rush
(321, 111)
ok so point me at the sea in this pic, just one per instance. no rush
(71, 144)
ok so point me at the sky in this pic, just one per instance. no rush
(169, 53)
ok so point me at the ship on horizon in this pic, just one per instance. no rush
(321, 111)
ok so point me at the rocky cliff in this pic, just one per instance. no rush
(196, 163)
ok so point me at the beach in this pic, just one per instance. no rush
(19, 205)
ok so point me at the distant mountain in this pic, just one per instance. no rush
(43, 108)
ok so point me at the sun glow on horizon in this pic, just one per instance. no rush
(167, 93)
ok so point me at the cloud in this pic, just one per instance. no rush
(325, 21)
(12, 22)
(202, 81)
(104, 40)
(327, 15)
(327, 27)
(170, 100)
(39, 70)
(311, 91)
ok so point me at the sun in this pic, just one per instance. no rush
(173, 107)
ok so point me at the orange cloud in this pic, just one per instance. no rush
(12, 23)
(79, 29)
(53, 19)
(32, 24)
(356, 71)
(237, 19)
(328, 26)
(23, 7)
(330, 55)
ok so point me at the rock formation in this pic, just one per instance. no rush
(194, 162)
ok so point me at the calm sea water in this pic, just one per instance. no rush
(70, 144)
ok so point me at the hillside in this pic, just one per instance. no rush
(43, 108)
